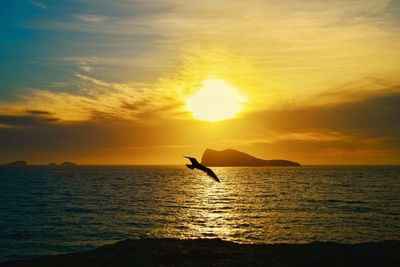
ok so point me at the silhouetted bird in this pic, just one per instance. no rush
(196, 165)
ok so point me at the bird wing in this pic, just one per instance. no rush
(197, 165)
(212, 175)
(193, 160)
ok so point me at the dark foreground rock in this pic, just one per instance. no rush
(215, 252)
(231, 157)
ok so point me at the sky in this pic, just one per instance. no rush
(110, 82)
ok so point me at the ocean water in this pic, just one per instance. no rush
(45, 210)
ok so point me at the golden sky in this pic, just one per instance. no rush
(145, 82)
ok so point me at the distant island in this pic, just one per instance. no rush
(67, 163)
(53, 164)
(17, 163)
(231, 157)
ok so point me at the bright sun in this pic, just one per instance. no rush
(216, 100)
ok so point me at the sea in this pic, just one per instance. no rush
(52, 210)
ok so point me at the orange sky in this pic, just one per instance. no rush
(142, 82)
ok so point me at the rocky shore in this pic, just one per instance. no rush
(215, 252)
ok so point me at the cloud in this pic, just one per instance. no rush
(38, 112)
(25, 120)
(274, 137)
(151, 147)
(85, 64)
(362, 131)
(105, 142)
(38, 4)
(91, 18)
(377, 113)
(96, 99)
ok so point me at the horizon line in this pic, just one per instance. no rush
(183, 165)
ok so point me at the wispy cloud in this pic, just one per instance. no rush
(90, 18)
(96, 99)
(26, 120)
(152, 147)
(296, 136)
(38, 4)
(85, 64)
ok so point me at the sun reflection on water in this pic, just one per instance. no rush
(213, 211)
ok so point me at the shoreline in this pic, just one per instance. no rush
(216, 252)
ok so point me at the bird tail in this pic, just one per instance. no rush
(190, 166)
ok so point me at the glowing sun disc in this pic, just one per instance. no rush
(216, 100)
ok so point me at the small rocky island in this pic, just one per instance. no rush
(231, 157)
(53, 164)
(67, 163)
(17, 163)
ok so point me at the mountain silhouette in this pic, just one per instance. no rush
(231, 157)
